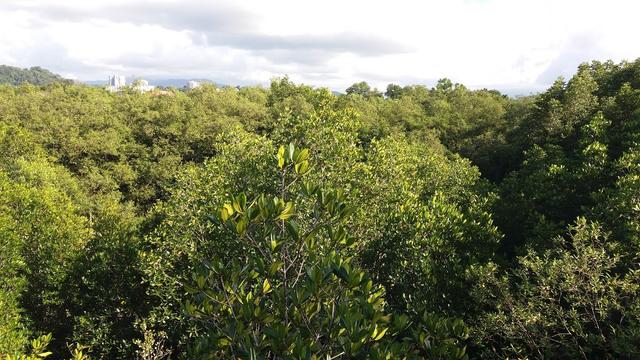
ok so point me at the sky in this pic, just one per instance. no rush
(516, 46)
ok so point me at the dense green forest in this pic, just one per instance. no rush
(291, 223)
(34, 75)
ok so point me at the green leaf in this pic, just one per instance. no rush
(378, 335)
(287, 212)
(341, 273)
(266, 286)
(274, 244)
(292, 229)
(236, 206)
(229, 208)
(273, 268)
(281, 157)
(303, 155)
(224, 214)
(302, 167)
(292, 150)
(200, 281)
(347, 211)
(241, 226)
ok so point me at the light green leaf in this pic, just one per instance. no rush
(281, 157)
(266, 286)
(287, 212)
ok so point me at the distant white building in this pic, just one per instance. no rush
(142, 86)
(116, 83)
(192, 84)
(119, 83)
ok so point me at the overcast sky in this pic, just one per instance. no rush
(517, 46)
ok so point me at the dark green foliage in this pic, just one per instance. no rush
(577, 300)
(424, 257)
(104, 289)
(573, 296)
(393, 91)
(47, 235)
(363, 89)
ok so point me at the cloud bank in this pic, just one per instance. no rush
(497, 43)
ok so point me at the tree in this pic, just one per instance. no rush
(292, 294)
(444, 85)
(363, 89)
(43, 235)
(181, 235)
(393, 91)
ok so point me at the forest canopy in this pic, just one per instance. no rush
(289, 222)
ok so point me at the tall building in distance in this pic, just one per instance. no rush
(116, 82)
(142, 86)
(119, 83)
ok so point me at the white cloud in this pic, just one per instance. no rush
(501, 43)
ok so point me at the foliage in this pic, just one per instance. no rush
(423, 257)
(291, 293)
(575, 300)
(460, 202)
(620, 205)
(363, 89)
(48, 235)
(37, 350)
(104, 289)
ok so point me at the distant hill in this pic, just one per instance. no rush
(35, 75)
